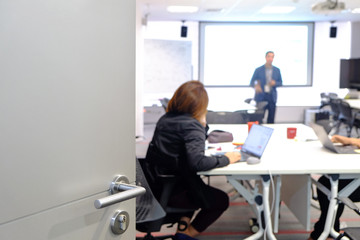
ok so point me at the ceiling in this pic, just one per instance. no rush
(245, 10)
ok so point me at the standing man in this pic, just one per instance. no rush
(265, 80)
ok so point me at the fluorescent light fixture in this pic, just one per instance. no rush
(356, 10)
(182, 9)
(214, 10)
(273, 10)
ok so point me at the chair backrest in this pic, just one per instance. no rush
(152, 212)
(335, 107)
(325, 98)
(148, 209)
(164, 102)
(237, 117)
(345, 112)
(261, 106)
(259, 113)
(249, 100)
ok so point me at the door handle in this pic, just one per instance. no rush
(121, 190)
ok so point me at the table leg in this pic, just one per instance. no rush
(260, 217)
(277, 203)
(261, 203)
(267, 214)
(330, 217)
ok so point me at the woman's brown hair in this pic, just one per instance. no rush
(191, 97)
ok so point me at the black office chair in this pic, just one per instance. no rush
(334, 114)
(148, 209)
(325, 99)
(237, 117)
(259, 113)
(250, 100)
(164, 102)
(151, 213)
(348, 117)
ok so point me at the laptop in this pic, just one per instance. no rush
(256, 142)
(327, 143)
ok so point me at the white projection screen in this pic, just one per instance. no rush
(230, 52)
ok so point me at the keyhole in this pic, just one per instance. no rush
(122, 222)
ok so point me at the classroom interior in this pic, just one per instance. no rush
(73, 95)
(296, 104)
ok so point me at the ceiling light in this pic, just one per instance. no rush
(214, 10)
(273, 10)
(356, 10)
(182, 9)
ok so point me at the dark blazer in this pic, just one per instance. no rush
(259, 75)
(178, 147)
(179, 143)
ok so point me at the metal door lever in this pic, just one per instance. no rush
(121, 190)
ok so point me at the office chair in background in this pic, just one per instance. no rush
(325, 99)
(164, 102)
(348, 117)
(237, 117)
(259, 113)
(250, 101)
(334, 114)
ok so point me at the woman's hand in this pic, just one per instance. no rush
(233, 156)
(341, 139)
(346, 140)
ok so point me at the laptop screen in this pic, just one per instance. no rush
(257, 140)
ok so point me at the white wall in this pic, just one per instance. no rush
(327, 54)
(355, 40)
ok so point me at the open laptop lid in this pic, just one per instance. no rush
(327, 143)
(323, 136)
(257, 140)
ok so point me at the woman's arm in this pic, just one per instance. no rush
(346, 140)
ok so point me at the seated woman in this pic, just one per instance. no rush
(323, 198)
(178, 147)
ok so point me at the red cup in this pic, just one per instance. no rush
(291, 133)
(250, 125)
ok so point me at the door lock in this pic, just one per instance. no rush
(120, 222)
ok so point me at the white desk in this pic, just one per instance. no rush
(294, 158)
(354, 103)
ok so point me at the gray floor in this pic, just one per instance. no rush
(234, 223)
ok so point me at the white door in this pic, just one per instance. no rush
(67, 116)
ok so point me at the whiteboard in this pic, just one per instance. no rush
(167, 64)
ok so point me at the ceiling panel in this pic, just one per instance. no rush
(244, 10)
